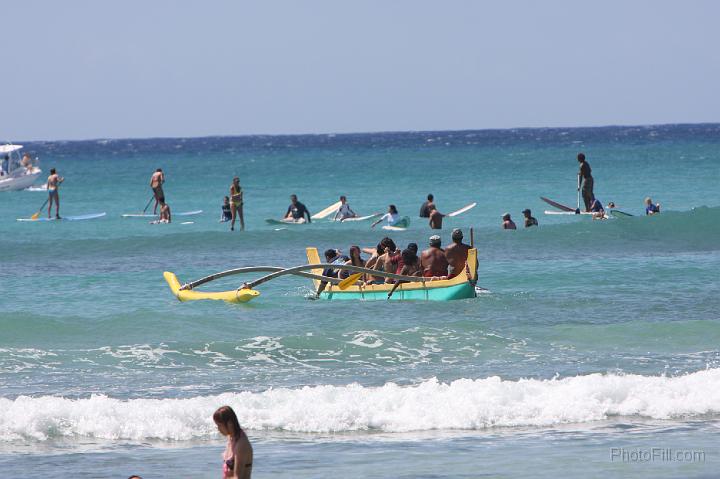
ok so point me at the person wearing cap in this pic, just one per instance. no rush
(435, 217)
(529, 220)
(508, 223)
(456, 254)
(425, 208)
(433, 262)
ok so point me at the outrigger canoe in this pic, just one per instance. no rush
(459, 287)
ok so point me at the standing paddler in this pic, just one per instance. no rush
(156, 181)
(236, 204)
(585, 180)
(53, 183)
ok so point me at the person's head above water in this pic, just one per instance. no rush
(236, 180)
(527, 213)
(435, 241)
(227, 422)
(648, 201)
(430, 197)
(581, 157)
(506, 216)
(343, 199)
(52, 171)
(457, 235)
(392, 209)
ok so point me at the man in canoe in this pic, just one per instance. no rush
(425, 208)
(585, 180)
(53, 183)
(156, 181)
(433, 262)
(410, 267)
(456, 254)
(529, 219)
(344, 211)
(435, 217)
(297, 211)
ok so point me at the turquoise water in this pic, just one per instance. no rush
(594, 335)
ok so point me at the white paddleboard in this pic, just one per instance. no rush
(150, 215)
(286, 221)
(393, 228)
(90, 216)
(463, 209)
(567, 213)
(327, 211)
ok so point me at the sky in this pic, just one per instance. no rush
(129, 69)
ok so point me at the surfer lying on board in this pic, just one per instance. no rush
(332, 256)
(435, 217)
(392, 217)
(529, 219)
(297, 211)
(53, 183)
(585, 180)
(425, 208)
(344, 211)
(508, 223)
(650, 208)
(433, 262)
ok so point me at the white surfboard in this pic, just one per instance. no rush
(360, 218)
(150, 215)
(393, 228)
(567, 213)
(463, 209)
(90, 216)
(327, 211)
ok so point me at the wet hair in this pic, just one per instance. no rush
(409, 256)
(52, 171)
(354, 253)
(413, 246)
(457, 234)
(393, 209)
(159, 170)
(343, 198)
(581, 157)
(225, 415)
(388, 244)
(380, 248)
(430, 197)
(330, 253)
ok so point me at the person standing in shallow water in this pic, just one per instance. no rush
(238, 455)
(585, 180)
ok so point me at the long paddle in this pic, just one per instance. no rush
(148, 203)
(349, 281)
(37, 215)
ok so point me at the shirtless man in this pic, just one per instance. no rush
(508, 223)
(344, 211)
(425, 207)
(53, 183)
(156, 181)
(389, 259)
(456, 253)
(433, 261)
(435, 217)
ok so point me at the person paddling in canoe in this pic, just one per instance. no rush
(433, 262)
(297, 211)
(392, 217)
(236, 204)
(456, 254)
(53, 183)
(344, 212)
(332, 256)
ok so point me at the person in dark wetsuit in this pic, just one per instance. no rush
(585, 180)
(529, 219)
(425, 208)
(297, 211)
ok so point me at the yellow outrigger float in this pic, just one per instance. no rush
(461, 286)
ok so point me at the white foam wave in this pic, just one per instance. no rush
(461, 404)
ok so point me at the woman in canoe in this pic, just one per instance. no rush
(355, 260)
(236, 204)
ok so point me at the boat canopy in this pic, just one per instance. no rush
(6, 149)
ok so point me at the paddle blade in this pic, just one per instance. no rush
(35, 216)
(349, 281)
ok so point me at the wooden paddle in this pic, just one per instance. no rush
(349, 281)
(37, 215)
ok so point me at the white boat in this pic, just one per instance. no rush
(13, 175)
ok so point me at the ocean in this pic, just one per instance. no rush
(594, 351)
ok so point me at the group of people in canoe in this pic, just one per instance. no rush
(434, 262)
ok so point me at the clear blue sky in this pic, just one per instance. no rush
(99, 69)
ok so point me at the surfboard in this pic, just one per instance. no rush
(150, 215)
(327, 211)
(360, 218)
(285, 221)
(619, 213)
(394, 228)
(462, 210)
(90, 216)
(557, 205)
(569, 213)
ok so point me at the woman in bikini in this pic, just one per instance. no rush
(238, 455)
(236, 204)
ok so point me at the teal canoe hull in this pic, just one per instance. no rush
(448, 293)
